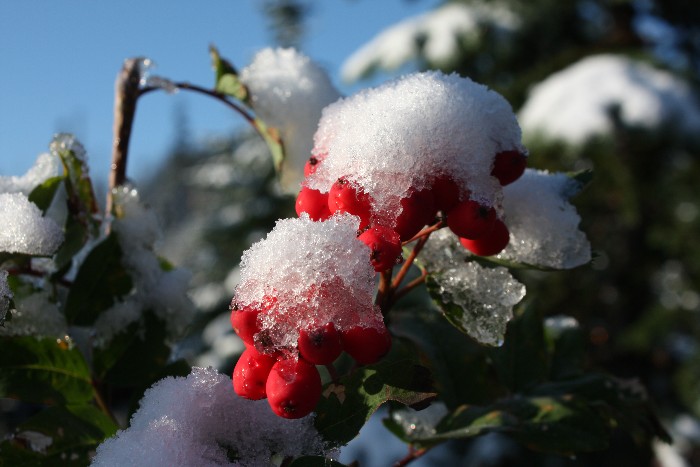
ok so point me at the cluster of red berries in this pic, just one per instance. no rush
(478, 226)
(288, 377)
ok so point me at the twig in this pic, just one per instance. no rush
(410, 286)
(409, 261)
(126, 93)
(412, 455)
(426, 231)
(383, 290)
(102, 404)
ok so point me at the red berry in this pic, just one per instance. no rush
(508, 166)
(366, 345)
(250, 374)
(385, 246)
(244, 321)
(491, 244)
(311, 165)
(418, 209)
(314, 203)
(346, 196)
(293, 388)
(320, 345)
(469, 219)
(446, 193)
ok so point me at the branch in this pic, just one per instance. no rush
(126, 93)
(412, 455)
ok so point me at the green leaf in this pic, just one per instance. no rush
(583, 178)
(101, 279)
(484, 322)
(44, 371)
(315, 461)
(557, 425)
(227, 81)
(347, 405)
(273, 141)
(75, 432)
(522, 361)
(43, 194)
(136, 356)
(75, 235)
(457, 363)
(567, 351)
(82, 203)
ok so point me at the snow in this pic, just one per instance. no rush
(199, 420)
(441, 33)
(573, 104)
(486, 295)
(317, 272)
(406, 132)
(24, 229)
(543, 224)
(35, 315)
(288, 91)
(45, 167)
(164, 292)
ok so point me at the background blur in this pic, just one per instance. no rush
(607, 85)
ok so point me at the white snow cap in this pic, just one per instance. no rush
(406, 132)
(199, 421)
(573, 104)
(318, 272)
(24, 230)
(441, 32)
(543, 224)
(45, 167)
(288, 91)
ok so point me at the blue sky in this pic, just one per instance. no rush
(59, 60)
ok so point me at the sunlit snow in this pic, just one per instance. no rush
(574, 104)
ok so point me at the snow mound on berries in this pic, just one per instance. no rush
(404, 133)
(485, 297)
(574, 104)
(316, 272)
(45, 167)
(543, 224)
(288, 91)
(24, 230)
(198, 420)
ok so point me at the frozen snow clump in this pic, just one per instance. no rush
(288, 91)
(405, 133)
(45, 167)
(309, 272)
(199, 421)
(24, 230)
(544, 226)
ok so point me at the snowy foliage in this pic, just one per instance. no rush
(442, 32)
(574, 104)
(288, 91)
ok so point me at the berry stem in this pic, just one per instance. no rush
(426, 231)
(410, 286)
(412, 455)
(409, 261)
(383, 291)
